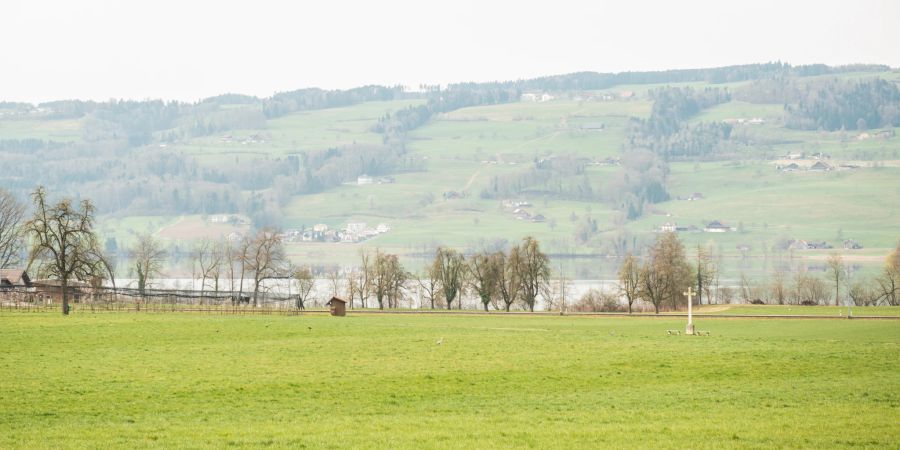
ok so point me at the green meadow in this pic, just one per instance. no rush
(196, 381)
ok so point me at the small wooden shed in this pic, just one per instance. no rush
(338, 306)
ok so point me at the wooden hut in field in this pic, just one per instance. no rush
(338, 306)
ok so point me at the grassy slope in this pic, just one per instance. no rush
(302, 131)
(456, 145)
(200, 381)
(773, 204)
(50, 130)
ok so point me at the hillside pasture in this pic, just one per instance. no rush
(195, 227)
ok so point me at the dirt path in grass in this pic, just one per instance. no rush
(712, 308)
(471, 180)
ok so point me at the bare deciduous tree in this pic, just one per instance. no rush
(666, 274)
(363, 278)
(12, 213)
(387, 278)
(449, 265)
(334, 280)
(510, 280)
(535, 271)
(306, 284)
(63, 243)
(430, 282)
(862, 293)
(630, 280)
(778, 288)
(484, 277)
(204, 256)
(808, 289)
(148, 257)
(889, 280)
(265, 258)
(837, 272)
(218, 257)
(706, 273)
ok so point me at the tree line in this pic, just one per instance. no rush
(667, 272)
(58, 241)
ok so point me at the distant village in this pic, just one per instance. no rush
(351, 233)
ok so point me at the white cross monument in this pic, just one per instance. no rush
(689, 329)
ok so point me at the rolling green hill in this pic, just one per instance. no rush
(448, 173)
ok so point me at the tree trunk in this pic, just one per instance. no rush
(699, 289)
(255, 293)
(65, 296)
(202, 288)
(629, 307)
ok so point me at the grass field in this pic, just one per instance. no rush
(794, 310)
(116, 380)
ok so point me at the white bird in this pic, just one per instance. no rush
(440, 341)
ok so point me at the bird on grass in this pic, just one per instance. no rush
(440, 341)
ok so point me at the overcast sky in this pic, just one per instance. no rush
(187, 50)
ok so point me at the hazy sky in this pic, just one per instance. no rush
(187, 50)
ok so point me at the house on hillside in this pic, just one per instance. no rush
(521, 214)
(818, 245)
(820, 166)
(792, 167)
(716, 227)
(609, 161)
(851, 244)
(364, 179)
(668, 227)
(14, 278)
